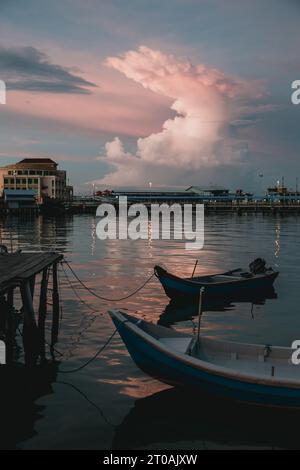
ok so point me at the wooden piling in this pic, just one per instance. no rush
(32, 285)
(55, 308)
(43, 313)
(10, 327)
(31, 341)
(18, 270)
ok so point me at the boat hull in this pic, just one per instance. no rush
(179, 288)
(165, 368)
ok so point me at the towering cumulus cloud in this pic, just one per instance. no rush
(206, 103)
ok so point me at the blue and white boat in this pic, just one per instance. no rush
(259, 374)
(237, 281)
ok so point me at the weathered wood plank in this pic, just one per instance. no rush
(31, 337)
(43, 312)
(40, 265)
(55, 312)
(18, 267)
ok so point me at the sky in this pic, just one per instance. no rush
(172, 92)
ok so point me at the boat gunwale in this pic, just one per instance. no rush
(205, 366)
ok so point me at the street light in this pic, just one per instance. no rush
(261, 176)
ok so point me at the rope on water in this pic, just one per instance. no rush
(106, 299)
(92, 358)
(76, 293)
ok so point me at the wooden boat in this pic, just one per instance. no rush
(222, 284)
(259, 374)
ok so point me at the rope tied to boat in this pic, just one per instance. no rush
(106, 299)
(77, 369)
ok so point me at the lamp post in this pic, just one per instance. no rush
(261, 176)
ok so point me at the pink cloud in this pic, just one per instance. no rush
(116, 104)
(205, 101)
(101, 111)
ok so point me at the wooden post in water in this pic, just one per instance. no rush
(200, 313)
(32, 285)
(10, 326)
(43, 313)
(30, 331)
(55, 311)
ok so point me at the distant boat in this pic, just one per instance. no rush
(237, 281)
(259, 374)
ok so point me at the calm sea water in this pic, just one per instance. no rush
(111, 403)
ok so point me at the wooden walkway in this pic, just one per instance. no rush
(16, 268)
(19, 271)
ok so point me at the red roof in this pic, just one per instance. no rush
(37, 160)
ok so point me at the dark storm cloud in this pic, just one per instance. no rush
(27, 68)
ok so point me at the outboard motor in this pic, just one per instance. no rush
(258, 266)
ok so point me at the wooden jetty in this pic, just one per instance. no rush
(86, 205)
(18, 271)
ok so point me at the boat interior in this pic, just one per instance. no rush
(263, 361)
(250, 359)
(226, 277)
(217, 278)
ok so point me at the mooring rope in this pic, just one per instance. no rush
(92, 292)
(94, 310)
(92, 358)
(88, 400)
(106, 299)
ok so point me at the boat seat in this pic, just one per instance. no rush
(179, 344)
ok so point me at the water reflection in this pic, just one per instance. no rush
(174, 419)
(93, 404)
(176, 311)
(115, 268)
(277, 238)
(20, 388)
